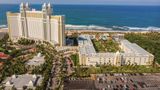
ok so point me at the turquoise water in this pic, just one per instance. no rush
(100, 16)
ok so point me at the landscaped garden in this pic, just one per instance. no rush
(75, 59)
(16, 63)
(24, 41)
(105, 45)
(86, 71)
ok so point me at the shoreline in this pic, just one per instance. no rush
(108, 31)
(3, 30)
(98, 31)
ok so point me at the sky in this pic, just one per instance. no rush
(107, 2)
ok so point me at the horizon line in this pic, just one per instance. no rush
(85, 4)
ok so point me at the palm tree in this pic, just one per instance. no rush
(5, 40)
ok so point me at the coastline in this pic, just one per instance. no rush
(95, 28)
(107, 31)
(5, 30)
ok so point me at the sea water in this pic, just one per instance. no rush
(99, 16)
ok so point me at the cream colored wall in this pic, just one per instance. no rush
(55, 27)
(14, 26)
(132, 58)
(54, 30)
(139, 60)
(57, 23)
(105, 60)
(92, 60)
(35, 28)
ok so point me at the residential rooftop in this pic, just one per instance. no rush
(133, 48)
(36, 61)
(86, 48)
(21, 81)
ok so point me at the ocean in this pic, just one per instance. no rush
(99, 16)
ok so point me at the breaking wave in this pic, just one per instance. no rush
(96, 27)
(126, 28)
(85, 27)
(123, 28)
(3, 26)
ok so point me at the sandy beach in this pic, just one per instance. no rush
(105, 31)
(5, 30)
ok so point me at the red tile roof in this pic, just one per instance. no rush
(3, 56)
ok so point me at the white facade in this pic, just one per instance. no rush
(37, 24)
(133, 54)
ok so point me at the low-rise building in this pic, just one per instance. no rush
(135, 54)
(22, 82)
(4, 56)
(36, 61)
(131, 54)
(118, 37)
(88, 55)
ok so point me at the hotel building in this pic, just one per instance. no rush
(132, 54)
(41, 25)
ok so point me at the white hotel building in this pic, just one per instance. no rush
(133, 54)
(34, 24)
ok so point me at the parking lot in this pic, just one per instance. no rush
(115, 82)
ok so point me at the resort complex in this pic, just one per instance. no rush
(37, 52)
(33, 24)
(130, 53)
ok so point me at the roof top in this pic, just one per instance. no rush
(19, 81)
(134, 48)
(36, 61)
(86, 48)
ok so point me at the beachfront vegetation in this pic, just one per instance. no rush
(148, 41)
(105, 45)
